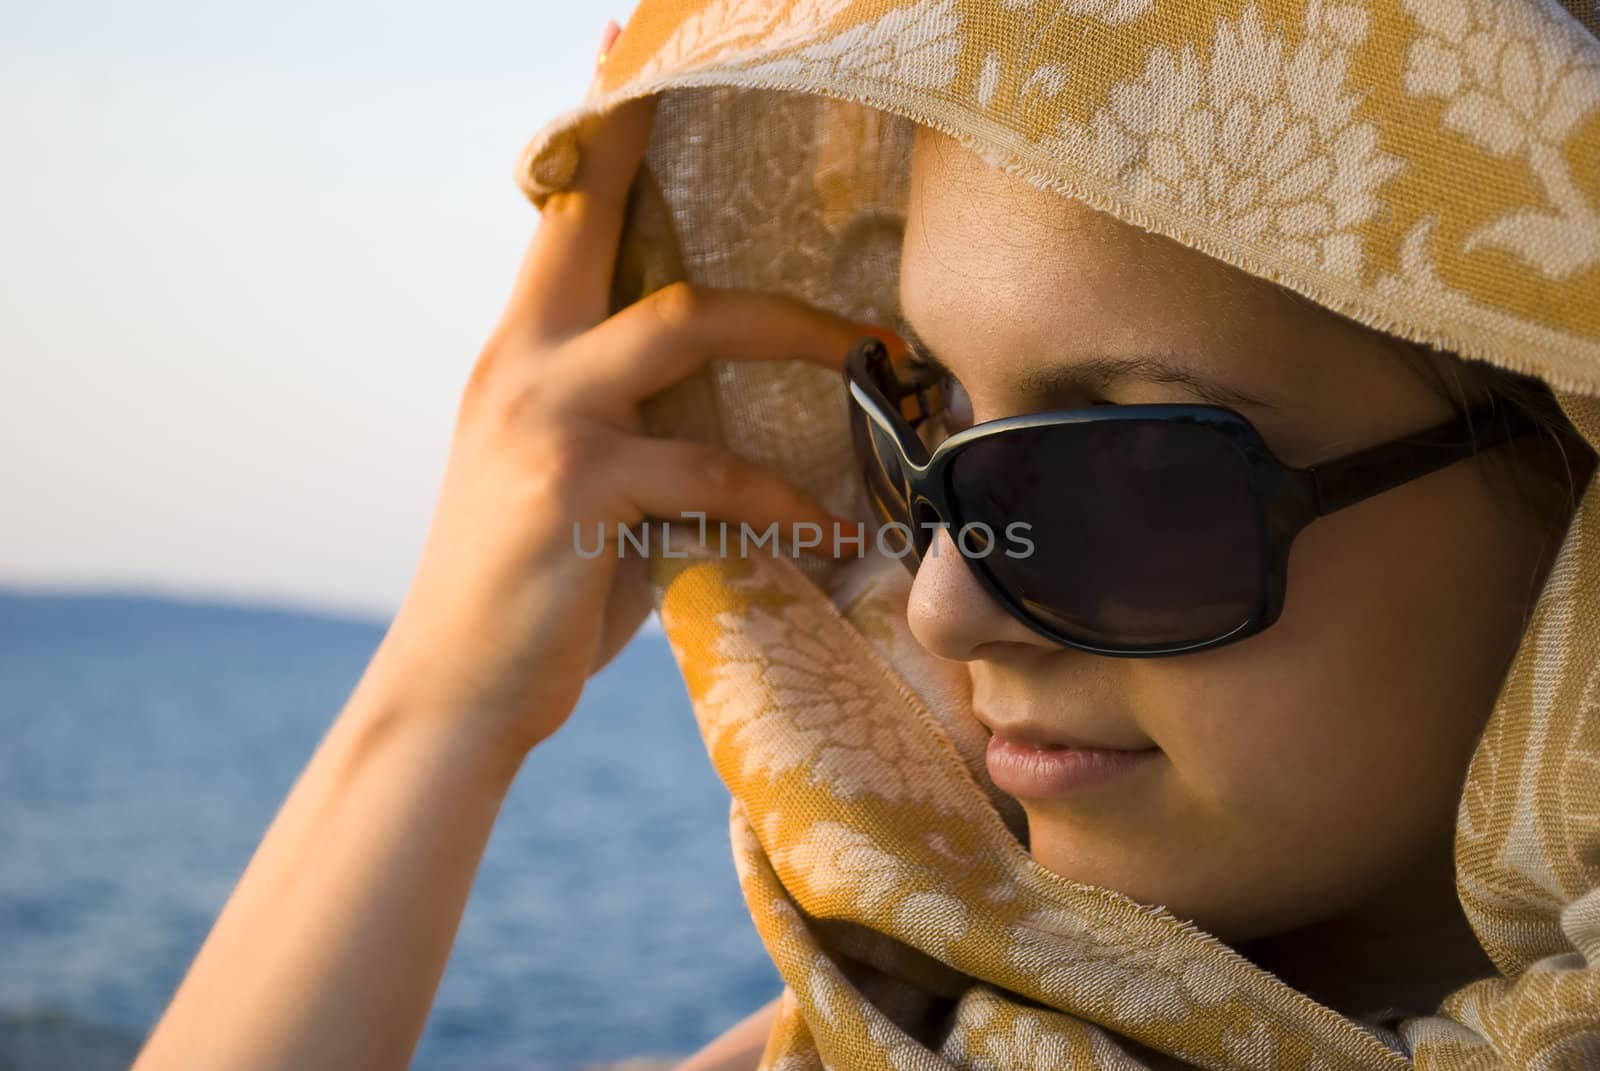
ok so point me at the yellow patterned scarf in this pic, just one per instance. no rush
(1430, 168)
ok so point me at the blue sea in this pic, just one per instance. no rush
(148, 743)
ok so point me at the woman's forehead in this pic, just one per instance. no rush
(984, 223)
(1002, 276)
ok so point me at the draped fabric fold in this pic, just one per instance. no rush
(1430, 168)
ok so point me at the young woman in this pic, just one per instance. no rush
(1239, 824)
(1319, 765)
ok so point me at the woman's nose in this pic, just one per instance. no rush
(952, 614)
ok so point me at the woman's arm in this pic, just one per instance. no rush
(330, 950)
(328, 953)
(739, 1048)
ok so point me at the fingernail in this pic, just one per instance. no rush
(608, 37)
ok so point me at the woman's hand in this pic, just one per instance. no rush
(329, 951)
(505, 620)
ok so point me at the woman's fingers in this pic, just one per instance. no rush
(671, 332)
(564, 282)
(672, 478)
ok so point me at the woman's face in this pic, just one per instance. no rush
(1308, 772)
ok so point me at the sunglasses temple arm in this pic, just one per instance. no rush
(1354, 477)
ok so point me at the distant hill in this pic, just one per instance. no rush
(121, 601)
(50, 614)
(44, 616)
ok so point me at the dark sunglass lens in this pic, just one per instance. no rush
(1144, 533)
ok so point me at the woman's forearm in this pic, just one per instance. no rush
(740, 1047)
(329, 951)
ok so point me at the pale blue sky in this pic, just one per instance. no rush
(247, 257)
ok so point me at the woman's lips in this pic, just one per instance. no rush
(1029, 772)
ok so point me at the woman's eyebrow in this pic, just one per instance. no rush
(1096, 374)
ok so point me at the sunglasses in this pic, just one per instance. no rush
(1128, 530)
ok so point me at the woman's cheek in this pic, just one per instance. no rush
(1289, 745)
